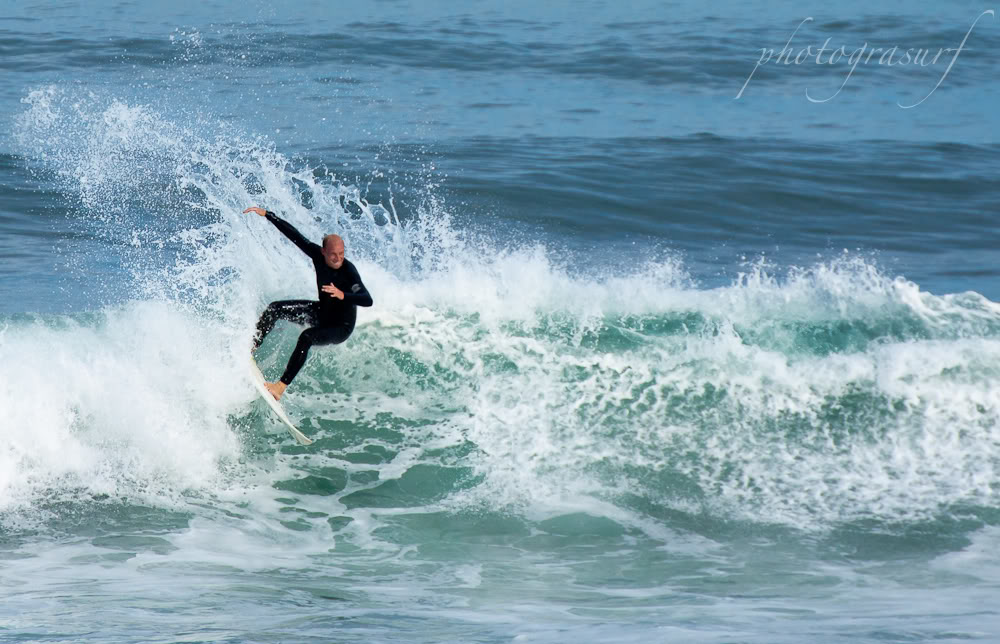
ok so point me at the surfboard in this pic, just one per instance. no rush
(258, 382)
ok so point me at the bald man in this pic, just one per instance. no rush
(331, 319)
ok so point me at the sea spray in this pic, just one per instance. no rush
(498, 375)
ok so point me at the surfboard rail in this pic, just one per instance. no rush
(259, 382)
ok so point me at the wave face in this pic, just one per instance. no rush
(826, 395)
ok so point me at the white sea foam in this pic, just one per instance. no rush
(134, 399)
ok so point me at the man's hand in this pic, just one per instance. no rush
(259, 211)
(333, 290)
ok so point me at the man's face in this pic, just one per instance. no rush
(333, 253)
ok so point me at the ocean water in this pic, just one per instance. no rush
(669, 344)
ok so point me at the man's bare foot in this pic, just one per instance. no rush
(276, 389)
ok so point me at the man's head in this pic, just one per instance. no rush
(333, 251)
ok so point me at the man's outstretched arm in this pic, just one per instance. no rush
(288, 230)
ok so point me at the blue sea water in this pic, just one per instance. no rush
(673, 341)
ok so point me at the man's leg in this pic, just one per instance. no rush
(317, 335)
(301, 311)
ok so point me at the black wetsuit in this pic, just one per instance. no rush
(330, 320)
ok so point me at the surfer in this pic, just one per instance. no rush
(330, 320)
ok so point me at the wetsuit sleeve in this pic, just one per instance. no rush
(289, 231)
(356, 293)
